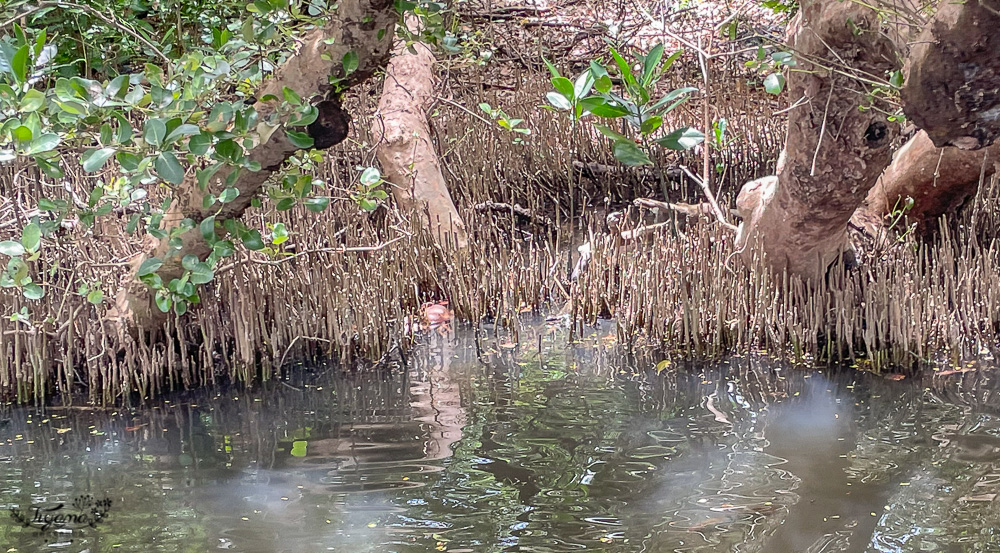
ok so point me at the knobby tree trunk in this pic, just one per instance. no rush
(952, 88)
(940, 181)
(365, 27)
(834, 152)
(405, 150)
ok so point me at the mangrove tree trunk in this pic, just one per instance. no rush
(952, 87)
(834, 151)
(405, 150)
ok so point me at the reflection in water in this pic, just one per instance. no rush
(575, 449)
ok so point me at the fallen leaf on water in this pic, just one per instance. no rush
(62, 430)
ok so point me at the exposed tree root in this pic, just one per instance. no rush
(939, 180)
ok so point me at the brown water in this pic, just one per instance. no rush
(576, 449)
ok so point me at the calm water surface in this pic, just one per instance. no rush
(576, 449)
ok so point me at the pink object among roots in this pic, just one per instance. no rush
(436, 315)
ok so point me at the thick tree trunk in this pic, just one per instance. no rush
(365, 27)
(940, 180)
(952, 88)
(405, 149)
(834, 152)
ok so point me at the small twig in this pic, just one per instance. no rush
(822, 132)
(465, 109)
(292, 343)
(275, 262)
(711, 199)
(514, 209)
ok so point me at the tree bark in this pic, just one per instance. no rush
(405, 150)
(834, 152)
(365, 27)
(952, 87)
(940, 181)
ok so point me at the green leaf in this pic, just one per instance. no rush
(896, 79)
(199, 144)
(317, 205)
(307, 117)
(624, 69)
(180, 132)
(202, 273)
(583, 84)
(565, 87)
(280, 234)
(229, 150)
(33, 291)
(189, 261)
(650, 62)
(650, 125)
(630, 154)
(125, 130)
(11, 248)
(675, 96)
(612, 134)
(682, 139)
(285, 204)
(33, 99)
(603, 108)
(253, 241)
(95, 297)
(552, 68)
(558, 101)
(370, 176)
(154, 131)
(299, 139)
(95, 159)
(350, 62)
(31, 237)
(163, 302)
(19, 64)
(23, 134)
(774, 83)
(228, 195)
(207, 228)
(133, 224)
(149, 267)
(671, 59)
(168, 168)
(45, 143)
(128, 161)
(291, 96)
